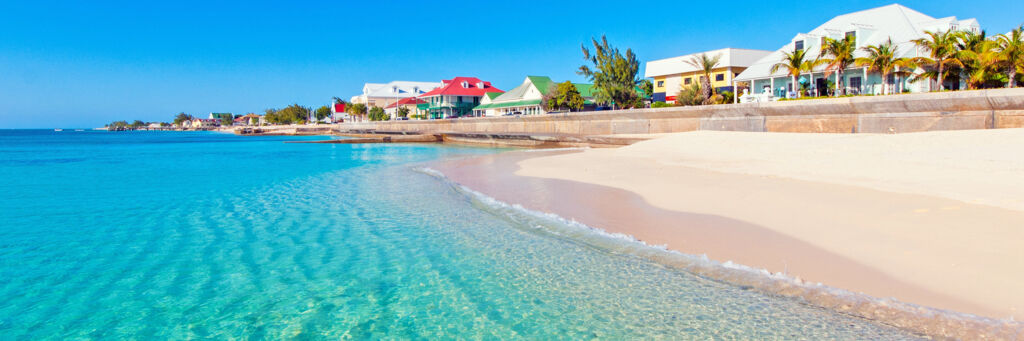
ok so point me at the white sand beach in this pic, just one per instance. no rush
(941, 213)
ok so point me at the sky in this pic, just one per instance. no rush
(81, 64)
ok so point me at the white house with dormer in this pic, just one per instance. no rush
(383, 95)
(868, 27)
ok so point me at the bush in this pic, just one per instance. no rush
(690, 95)
(660, 104)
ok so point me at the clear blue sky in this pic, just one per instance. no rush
(83, 64)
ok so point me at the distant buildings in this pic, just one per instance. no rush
(249, 120)
(338, 113)
(526, 98)
(219, 116)
(672, 74)
(198, 123)
(868, 27)
(383, 95)
(456, 97)
(413, 104)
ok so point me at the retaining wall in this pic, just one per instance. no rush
(954, 110)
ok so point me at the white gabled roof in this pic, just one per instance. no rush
(400, 89)
(730, 58)
(873, 27)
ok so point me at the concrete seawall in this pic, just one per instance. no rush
(955, 110)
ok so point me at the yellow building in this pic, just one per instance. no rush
(670, 75)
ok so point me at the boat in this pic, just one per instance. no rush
(58, 129)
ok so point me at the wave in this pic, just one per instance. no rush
(915, 318)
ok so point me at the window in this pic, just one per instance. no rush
(798, 45)
(720, 77)
(661, 83)
(686, 81)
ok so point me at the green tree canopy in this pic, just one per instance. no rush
(356, 110)
(882, 58)
(941, 49)
(226, 120)
(838, 56)
(1011, 47)
(377, 114)
(403, 112)
(322, 112)
(614, 74)
(181, 117)
(563, 96)
(292, 114)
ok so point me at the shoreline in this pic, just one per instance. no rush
(756, 242)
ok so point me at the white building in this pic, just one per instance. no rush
(868, 27)
(383, 95)
(670, 75)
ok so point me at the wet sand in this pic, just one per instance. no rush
(922, 249)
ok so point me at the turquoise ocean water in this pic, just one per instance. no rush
(171, 235)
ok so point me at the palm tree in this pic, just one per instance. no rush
(1011, 47)
(882, 59)
(795, 63)
(941, 48)
(984, 67)
(704, 65)
(838, 55)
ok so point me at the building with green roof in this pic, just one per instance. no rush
(526, 98)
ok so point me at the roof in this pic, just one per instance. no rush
(405, 101)
(873, 26)
(463, 86)
(339, 107)
(508, 104)
(492, 95)
(730, 57)
(530, 92)
(398, 89)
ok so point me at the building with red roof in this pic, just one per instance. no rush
(416, 107)
(457, 97)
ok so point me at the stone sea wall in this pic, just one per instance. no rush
(954, 110)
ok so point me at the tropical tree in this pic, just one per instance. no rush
(322, 112)
(690, 95)
(705, 64)
(338, 100)
(614, 74)
(377, 114)
(981, 64)
(882, 58)
(403, 112)
(1011, 47)
(356, 110)
(941, 49)
(226, 120)
(291, 114)
(181, 117)
(795, 63)
(563, 96)
(646, 88)
(838, 56)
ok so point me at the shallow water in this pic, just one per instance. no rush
(201, 235)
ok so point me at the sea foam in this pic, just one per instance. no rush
(916, 318)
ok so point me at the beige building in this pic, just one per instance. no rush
(670, 75)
